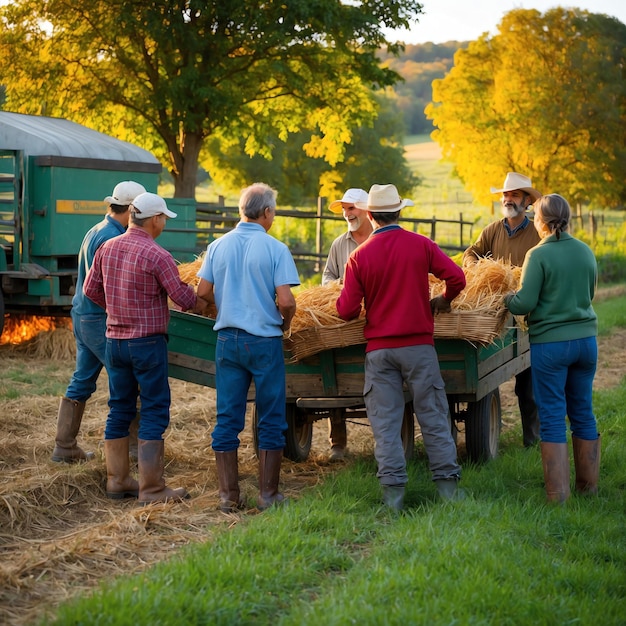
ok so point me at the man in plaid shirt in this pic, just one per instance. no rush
(132, 277)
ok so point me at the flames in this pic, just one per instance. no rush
(22, 328)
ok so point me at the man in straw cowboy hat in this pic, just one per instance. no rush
(389, 272)
(359, 229)
(508, 240)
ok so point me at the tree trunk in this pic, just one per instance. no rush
(186, 177)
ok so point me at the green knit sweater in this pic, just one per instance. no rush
(558, 284)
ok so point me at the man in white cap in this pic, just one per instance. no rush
(508, 240)
(389, 273)
(359, 229)
(89, 326)
(132, 278)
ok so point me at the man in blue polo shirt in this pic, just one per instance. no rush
(248, 275)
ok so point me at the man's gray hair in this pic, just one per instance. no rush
(255, 199)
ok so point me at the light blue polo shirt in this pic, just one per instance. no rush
(245, 266)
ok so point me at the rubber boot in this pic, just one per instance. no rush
(337, 435)
(269, 475)
(120, 485)
(70, 416)
(448, 489)
(133, 431)
(151, 482)
(587, 464)
(228, 480)
(555, 461)
(393, 496)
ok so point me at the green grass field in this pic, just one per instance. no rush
(502, 556)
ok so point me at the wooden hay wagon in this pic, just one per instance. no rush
(329, 383)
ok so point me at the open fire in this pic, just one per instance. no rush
(21, 328)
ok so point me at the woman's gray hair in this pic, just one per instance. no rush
(555, 212)
(255, 199)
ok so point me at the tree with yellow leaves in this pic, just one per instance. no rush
(546, 96)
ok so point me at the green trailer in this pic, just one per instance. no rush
(330, 384)
(54, 175)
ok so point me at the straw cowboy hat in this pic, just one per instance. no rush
(352, 196)
(383, 199)
(514, 181)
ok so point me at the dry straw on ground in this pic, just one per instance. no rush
(60, 536)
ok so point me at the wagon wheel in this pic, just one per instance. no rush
(482, 427)
(408, 431)
(298, 437)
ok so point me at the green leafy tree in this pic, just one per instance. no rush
(374, 154)
(167, 75)
(546, 96)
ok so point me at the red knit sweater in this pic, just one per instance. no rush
(389, 273)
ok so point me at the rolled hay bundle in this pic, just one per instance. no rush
(478, 312)
(188, 273)
(487, 281)
(315, 306)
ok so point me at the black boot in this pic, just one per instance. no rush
(393, 496)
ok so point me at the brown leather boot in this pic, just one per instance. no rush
(151, 482)
(228, 479)
(66, 450)
(120, 485)
(587, 464)
(555, 460)
(269, 475)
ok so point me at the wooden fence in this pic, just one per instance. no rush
(214, 219)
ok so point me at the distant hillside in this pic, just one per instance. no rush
(419, 65)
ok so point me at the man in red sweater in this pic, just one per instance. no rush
(389, 274)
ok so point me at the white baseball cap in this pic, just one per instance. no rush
(125, 192)
(148, 205)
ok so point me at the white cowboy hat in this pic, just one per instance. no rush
(383, 199)
(352, 196)
(515, 181)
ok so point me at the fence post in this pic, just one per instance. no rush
(318, 233)
(433, 228)
(461, 229)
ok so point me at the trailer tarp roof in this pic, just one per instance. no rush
(50, 136)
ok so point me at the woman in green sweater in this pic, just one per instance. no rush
(558, 283)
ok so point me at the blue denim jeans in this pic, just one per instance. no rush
(241, 358)
(138, 368)
(563, 374)
(89, 333)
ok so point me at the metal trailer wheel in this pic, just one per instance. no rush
(482, 428)
(298, 437)
(408, 431)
